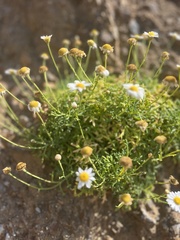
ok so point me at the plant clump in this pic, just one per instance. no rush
(100, 132)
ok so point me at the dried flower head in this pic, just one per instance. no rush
(85, 177)
(62, 52)
(77, 41)
(24, 71)
(43, 69)
(58, 157)
(150, 155)
(165, 56)
(75, 52)
(170, 81)
(78, 85)
(126, 199)
(66, 42)
(161, 139)
(34, 106)
(21, 166)
(107, 49)
(11, 71)
(151, 34)
(101, 71)
(132, 68)
(126, 162)
(173, 180)
(86, 151)
(173, 199)
(134, 90)
(44, 56)
(94, 33)
(132, 41)
(46, 38)
(2, 92)
(142, 124)
(91, 43)
(6, 170)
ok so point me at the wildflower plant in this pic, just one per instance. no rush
(100, 132)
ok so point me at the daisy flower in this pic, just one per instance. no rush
(174, 35)
(151, 34)
(10, 71)
(84, 177)
(78, 85)
(134, 90)
(46, 38)
(107, 48)
(173, 199)
(91, 43)
(34, 106)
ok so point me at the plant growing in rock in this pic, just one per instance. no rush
(99, 132)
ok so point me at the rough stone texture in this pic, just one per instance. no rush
(23, 22)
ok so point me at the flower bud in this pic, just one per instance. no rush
(21, 166)
(86, 151)
(126, 162)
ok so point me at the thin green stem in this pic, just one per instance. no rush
(54, 62)
(72, 68)
(32, 186)
(87, 59)
(80, 66)
(44, 125)
(37, 177)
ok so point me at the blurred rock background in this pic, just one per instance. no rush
(23, 22)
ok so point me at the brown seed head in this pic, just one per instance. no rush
(161, 139)
(142, 124)
(165, 56)
(132, 41)
(6, 170)
(21, 166)
(170, 81)
(75, 52)
(132, 68)
(43, 69)
(126, 162)
(173, 180)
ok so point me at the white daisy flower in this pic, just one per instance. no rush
(134, 90)
(151, 34)
(178, 66)
(173, 199)
(85, 177)
(174, 35)
(46, 38)
(11, 71)
(78, 85)
(34, 106)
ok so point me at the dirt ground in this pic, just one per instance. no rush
(32, 215)
(28, 214)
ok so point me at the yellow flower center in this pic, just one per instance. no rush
(62, 52)
(80, 85)
(177, 200)
(134, 88)
(34, 104)
(2, 90)
(151, 34)
(126, 198)
(84, 176)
